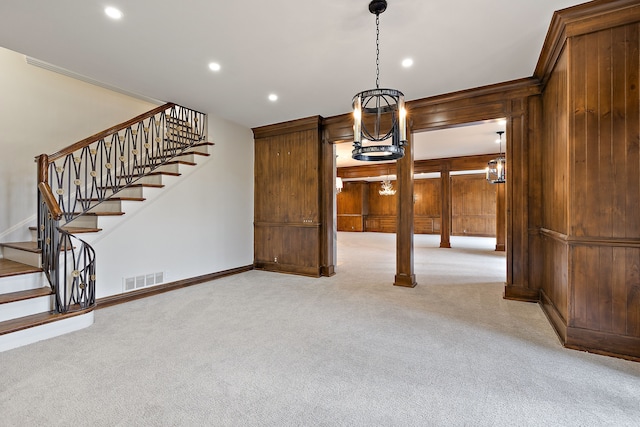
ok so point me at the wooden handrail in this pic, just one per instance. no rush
(50, 200)
(45, 189)
(98, 136)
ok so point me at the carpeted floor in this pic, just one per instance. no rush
(266, 349)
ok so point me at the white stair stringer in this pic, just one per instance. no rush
(26, 307)
(22, 282)
(46, 331)
(24, 257)
(108, 224)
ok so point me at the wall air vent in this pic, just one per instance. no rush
(142, 281)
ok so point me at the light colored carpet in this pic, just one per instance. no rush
(267, 349)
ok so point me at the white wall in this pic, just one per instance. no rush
(42, 112)
(201, 223)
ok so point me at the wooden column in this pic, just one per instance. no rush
(327, 210)
(445, 215)
(501, 218)
(404, 232)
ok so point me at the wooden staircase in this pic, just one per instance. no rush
(27, 301)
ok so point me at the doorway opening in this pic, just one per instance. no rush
(467, 215)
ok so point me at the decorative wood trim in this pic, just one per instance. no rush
(578, 20)
(405, 281)
(447, 110)
(555, 235)
(558, 322)
(624, 347)
(518, 293)
(338, 128)
(328, 271)
(288, 268)
(288, 224)
(463, 163)
(591, 240)
(604, 241)
(518, 88)
(299, 125)
(166, 287)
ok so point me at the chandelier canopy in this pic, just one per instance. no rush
(379, 114)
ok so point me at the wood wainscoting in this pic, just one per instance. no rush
(473, 207)
(289, 223)
(572, 194)
(588, 221)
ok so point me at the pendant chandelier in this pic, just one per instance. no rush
(496, 169)
(379, 114)
(387, 188)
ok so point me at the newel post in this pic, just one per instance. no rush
(42, 169)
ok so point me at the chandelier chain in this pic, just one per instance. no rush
(377, 51)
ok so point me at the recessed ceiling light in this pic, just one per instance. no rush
(273, 97)
(113, 13)
(408, 62)
(214, 66)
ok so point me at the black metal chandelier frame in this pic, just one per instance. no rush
(376, 103)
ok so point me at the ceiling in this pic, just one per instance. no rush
(314, 55)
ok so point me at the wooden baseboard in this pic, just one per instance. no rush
(166, 287)
(606, 344)
(558, 322)
(328, 271)
(289, 269)
(405, 281)
(518, 293)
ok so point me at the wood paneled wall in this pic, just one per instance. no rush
(427, 205)
(590, 173)
(572, 193)
(473, 206)
(352, 206)
(288, 184)
(362, 208)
